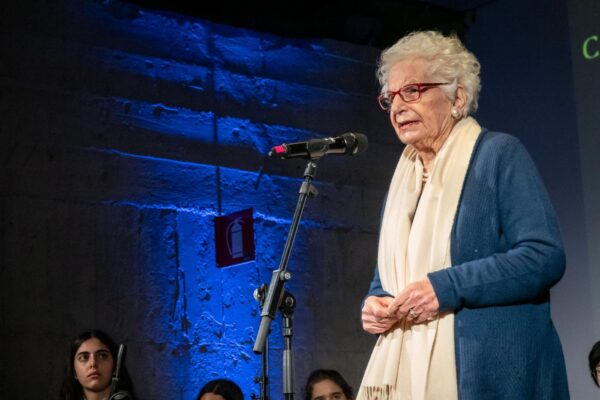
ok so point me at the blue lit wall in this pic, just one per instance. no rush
(124, 133)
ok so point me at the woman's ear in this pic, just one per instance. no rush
(461, 100)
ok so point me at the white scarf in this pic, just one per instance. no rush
(416, 362)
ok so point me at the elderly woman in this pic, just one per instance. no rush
(469, 245)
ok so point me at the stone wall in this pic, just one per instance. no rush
(124, 133)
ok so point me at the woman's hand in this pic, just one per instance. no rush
(417, 303)
(375, 318)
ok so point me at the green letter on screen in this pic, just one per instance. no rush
(586, 48)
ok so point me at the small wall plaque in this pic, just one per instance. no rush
(234, 238)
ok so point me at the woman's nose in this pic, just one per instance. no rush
(397, 104)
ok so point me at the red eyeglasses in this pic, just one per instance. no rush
(408, 93)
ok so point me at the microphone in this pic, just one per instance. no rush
(346, 144)
(115, 393)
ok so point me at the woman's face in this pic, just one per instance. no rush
(93, 366)
(426, 121)
(327, 390)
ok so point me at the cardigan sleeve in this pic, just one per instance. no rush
(376, 289)
(524, 256)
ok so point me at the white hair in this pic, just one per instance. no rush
(447, 58)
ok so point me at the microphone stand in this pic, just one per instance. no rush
(263, 379)
(287, 310)
(277, 297)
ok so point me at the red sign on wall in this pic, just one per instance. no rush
(234, 238)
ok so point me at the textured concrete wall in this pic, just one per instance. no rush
(124, 133)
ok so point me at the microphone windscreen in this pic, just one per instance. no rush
(357, 142)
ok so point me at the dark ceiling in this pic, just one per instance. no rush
(377, 23)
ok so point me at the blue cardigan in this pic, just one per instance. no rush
(506, 255)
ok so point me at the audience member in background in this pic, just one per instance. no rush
(327, 384)
(220, 389)
(90, 367)
(594, 360)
